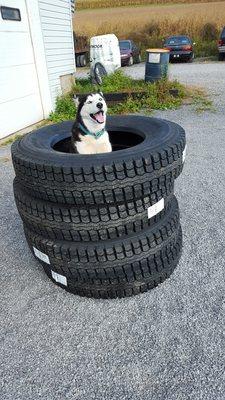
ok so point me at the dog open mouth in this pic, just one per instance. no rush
(98, 117)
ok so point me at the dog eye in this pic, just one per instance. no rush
(89, 102)
(100, 99)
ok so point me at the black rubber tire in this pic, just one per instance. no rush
(114, 268)
(120, 176)
(131, 61)
(83, 60)
(99, 73)
(67, 222)
(138, 59)
(165, 262)
(221, 56)
(78, 61)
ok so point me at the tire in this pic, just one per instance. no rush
(139, 59)
(78, 61)
(221, 57)
(115, 268)
(83, 60)
(99, 73)
(131, 61)
(67, 222)
(133, 173)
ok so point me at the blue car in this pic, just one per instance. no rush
(180, 47)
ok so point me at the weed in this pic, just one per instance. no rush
(10, 140)
(111, 83)
(65, 109)
(200, 101)
(209, 32)
(155, 96)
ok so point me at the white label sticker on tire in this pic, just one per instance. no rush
(184, 154)
(41, 256)
(156, 208)
(59, 278)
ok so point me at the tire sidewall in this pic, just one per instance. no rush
(37, 146)
(131, 61)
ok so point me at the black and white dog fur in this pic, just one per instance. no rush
(88, 132)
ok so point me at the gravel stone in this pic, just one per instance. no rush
(167, 344)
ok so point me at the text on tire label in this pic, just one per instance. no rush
(184, 154)
(41, 256)
(59, 278)
(156, 208)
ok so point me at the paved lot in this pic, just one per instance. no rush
(167, 344)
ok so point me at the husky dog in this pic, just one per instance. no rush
(88, 132)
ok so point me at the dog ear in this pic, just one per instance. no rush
(76, 100)
(101, 94)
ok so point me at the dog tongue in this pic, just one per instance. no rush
(99, 117)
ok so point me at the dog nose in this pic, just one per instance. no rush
(99, 105)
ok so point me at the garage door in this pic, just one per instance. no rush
(20, 101)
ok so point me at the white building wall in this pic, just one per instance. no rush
(21, 101)
(56, 25)
(36, 60)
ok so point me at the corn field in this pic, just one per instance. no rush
(149, 25)
(87, 4)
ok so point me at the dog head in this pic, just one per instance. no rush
(92, 111)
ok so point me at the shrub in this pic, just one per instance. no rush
(156, 96)
(65, 109)
(203, 49)
(209, 32)
(152, 29)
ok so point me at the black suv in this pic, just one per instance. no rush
(221, 46)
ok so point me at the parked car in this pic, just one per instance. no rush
(129, 52)
(181, 48)
(221, 46)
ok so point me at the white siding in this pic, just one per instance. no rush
(56, 26)
(20, 98)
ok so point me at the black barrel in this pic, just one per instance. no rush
(156, 66)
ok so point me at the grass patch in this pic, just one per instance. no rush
(10, 140)
(157, 96)
(117, 82)
(200, 100)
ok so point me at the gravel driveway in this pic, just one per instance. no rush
(167, 344)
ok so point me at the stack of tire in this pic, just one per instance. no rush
(104, 225)
(81, 60)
